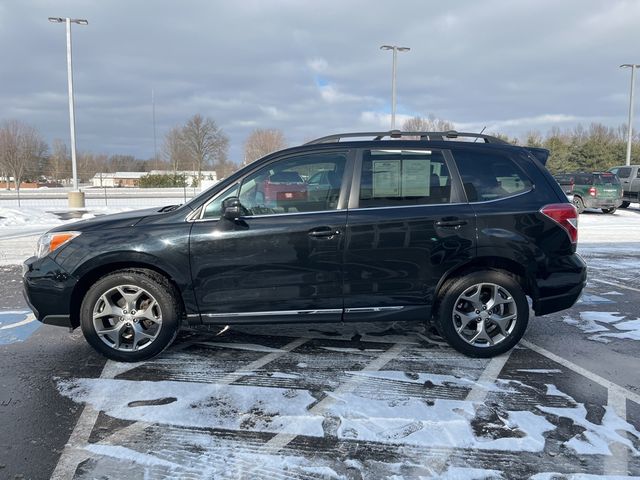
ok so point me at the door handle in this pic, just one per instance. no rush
(324, 232)
(451, 223)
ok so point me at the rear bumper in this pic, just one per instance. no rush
(603, 202)
(47, 291)
(561, 286)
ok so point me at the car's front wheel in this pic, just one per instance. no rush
(609, 210)
(579, 204)
(130, 315)
(483, 314)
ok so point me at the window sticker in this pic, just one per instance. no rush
(386, 178)
(416, 178)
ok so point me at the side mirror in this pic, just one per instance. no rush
(231, 208)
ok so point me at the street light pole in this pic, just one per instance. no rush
(395, 50)
(72, 120)
(629, 125)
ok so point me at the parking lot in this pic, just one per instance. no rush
(337, 401)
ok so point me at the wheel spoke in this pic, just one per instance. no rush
(497, 299)
(148, 314)
(140, 334)
(503, 322)
(110, 309)
(481, 334)
(109, 330)
(465, 319)
(130, 298)
(473, 299)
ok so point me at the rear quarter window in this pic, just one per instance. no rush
(490, 175)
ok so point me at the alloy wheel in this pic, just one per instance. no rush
(127, 318)
(485, 314)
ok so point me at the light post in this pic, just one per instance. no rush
(395, 49)
(76, 198)
(629, 125)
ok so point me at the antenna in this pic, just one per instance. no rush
(481, 132)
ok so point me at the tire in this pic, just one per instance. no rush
(625, 204)
(579, 204)
(609, 210)
(131, 315)
(484, 338)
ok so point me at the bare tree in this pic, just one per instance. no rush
(59, 161)
(175, 150)
(430, 124)
(261, 142)
(205, 142)
(21, 150)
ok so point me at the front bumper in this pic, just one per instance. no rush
(47, 291)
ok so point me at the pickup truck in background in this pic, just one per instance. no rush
(629, 176)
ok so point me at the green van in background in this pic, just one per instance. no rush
(592, 190)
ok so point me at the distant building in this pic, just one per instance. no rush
(132, 179)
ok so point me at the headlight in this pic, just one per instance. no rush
(51, 241)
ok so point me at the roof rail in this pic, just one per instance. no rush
(449, 134)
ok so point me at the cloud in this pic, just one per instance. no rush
(313, 71)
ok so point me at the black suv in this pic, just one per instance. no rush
(435, 228)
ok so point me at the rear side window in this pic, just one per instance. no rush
(404, 177)
(623, 172)
(607, 179)
(490, 175)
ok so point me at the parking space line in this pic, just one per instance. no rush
(74, 452)
(489, 376)
(627, 394)
(614, 284)
(618, 462)
(281, 440)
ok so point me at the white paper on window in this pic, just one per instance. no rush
(416, 178)
(386, 178)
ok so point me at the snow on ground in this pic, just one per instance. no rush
(403, 422)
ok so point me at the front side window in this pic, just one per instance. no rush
(303, 183)
(490, 175)
(404, 177)
(214, 208)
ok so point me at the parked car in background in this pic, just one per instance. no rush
(457, 234)
(629, 176)
(592, 190)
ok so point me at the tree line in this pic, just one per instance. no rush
(200, 144)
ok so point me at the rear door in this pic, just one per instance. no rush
(283, 257)
(407, 226)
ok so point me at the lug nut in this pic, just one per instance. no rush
(477, 312)
(133, 312)
(124, 311)
(484, 307)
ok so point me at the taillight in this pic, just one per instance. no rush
(565, 215)
(593, 191)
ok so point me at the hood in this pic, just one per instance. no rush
(114, 220)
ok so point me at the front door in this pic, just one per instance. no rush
(283, 257)
(408, 225)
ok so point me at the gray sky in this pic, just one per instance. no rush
(313, 68)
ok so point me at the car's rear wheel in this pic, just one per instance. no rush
(609, 210)
(483, 314)
(130, 315)
(625, 204)
(579, 204)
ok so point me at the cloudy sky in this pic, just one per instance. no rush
(312, 68)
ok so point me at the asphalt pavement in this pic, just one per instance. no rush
(332, 401)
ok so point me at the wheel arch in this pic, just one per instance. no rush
(89, 275)
(508, 265)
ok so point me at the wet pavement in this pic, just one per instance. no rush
(333, 401)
